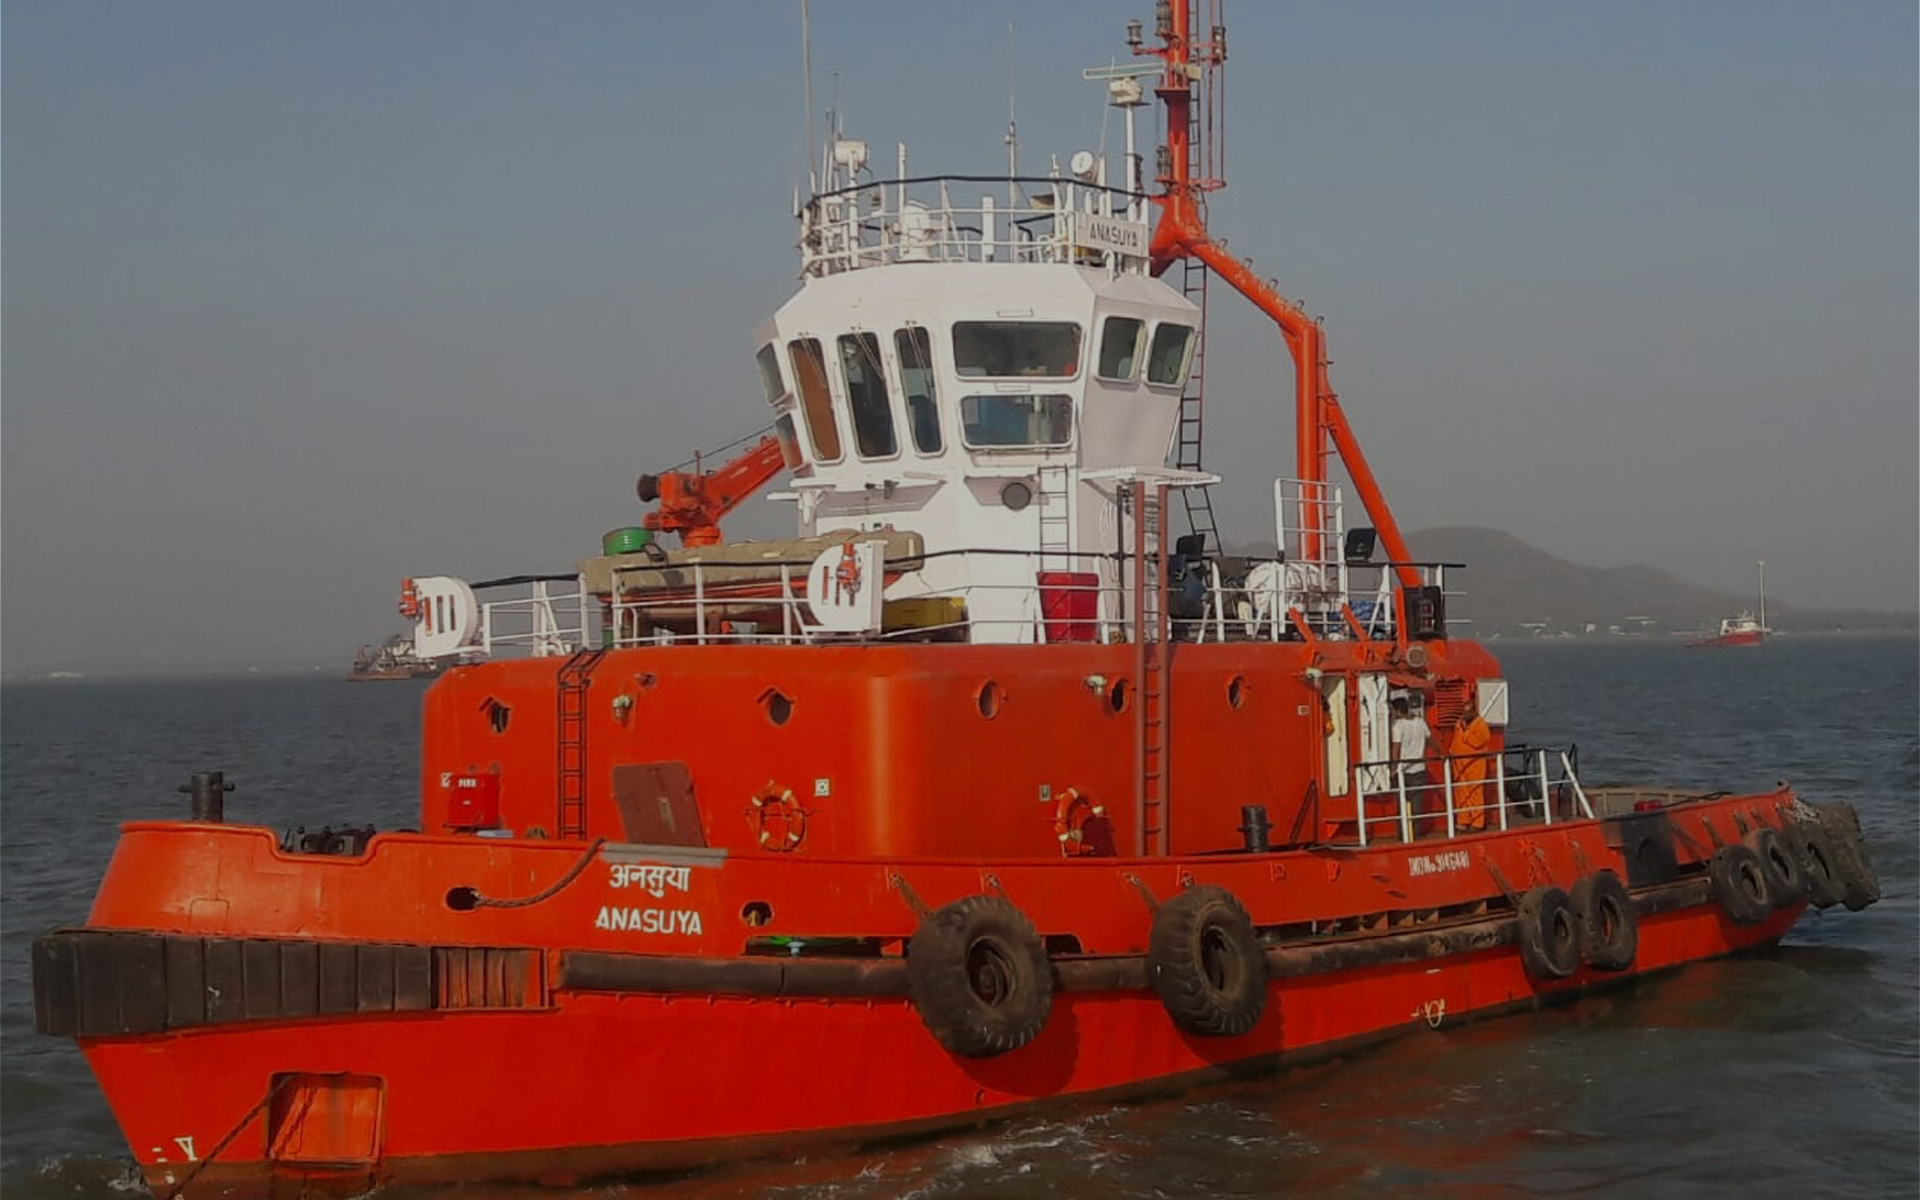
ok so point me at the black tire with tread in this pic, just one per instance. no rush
(979, 976)
(1741, 885)
(1786, 877)
(1818, 861)
(1206, 963)
(1549, 933)
(1859, 884)
(1609, 929)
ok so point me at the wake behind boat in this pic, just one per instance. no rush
(986, 789)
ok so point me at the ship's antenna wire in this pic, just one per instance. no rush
(806, 88)
(1012, 138)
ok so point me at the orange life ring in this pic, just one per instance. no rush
(409, 600)
(1070, 816)
(777, 818)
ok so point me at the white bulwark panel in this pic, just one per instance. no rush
(1113, 235)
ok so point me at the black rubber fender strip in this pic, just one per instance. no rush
(599, 971)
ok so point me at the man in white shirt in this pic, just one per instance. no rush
(1411, 737)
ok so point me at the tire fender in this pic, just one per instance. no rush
(979, 976)
(1206, 962)
(1860, 885)
(1549, 933)
(1786, 878)
(1740, 884)
(1609, 928)
(1819, 862)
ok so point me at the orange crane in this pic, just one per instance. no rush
(692, 502)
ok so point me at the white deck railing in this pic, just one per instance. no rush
(1470, 795)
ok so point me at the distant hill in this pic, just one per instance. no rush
(1509, 585)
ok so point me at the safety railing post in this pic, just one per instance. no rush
(1500, 786)
(1446, 784)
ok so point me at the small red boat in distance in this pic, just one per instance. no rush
(1745, 629)
(987, 789)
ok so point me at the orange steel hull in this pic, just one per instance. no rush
(579, 1081)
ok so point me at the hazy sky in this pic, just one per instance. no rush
(300, 299)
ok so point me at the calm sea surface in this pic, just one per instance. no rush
(1792, 1073)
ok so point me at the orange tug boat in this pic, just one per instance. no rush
(978, 794)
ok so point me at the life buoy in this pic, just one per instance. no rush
(409, 600)
(979, 976)
(1859, 884)
(777, 818)
(1740, 884)
(1786, 878)
(1081, 825)
(1549, 933)
(1819, 862)
(1206, 963)
(1609, 931)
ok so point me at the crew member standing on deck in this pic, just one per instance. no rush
(1411, 737)
(1471, 765)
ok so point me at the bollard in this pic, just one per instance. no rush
(209, 789)
(1253, 828)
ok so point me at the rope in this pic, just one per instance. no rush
(573, 873)
(227, 1140)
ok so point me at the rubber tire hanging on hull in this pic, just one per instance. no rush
(1786, 879)
(1549, 933)
(1206, 962)
(1859, 884)
(1740, 884)
(979, 976)
(1609, 930)
(1819, 861)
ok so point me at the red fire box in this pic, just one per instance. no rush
(473, 800)
(1070, 605)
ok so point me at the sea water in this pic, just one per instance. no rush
(1792, 1073)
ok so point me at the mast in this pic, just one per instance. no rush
(1181, 232)
(1763, 595)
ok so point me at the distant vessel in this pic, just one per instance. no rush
(1744, 629)
(392, 659)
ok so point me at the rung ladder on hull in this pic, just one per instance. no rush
(571, 786)
(1149, 503)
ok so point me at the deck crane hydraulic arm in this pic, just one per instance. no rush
(692, 502)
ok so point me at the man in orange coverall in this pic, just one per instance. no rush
(1471, 766)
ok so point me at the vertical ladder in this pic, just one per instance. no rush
(1055, 506)
(1198, 500)
(571, 786)
(1150, 668)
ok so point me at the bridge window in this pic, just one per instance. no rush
(1013, 349)
(866, 382)
(915, 349)
(789, 439)
(769, 363)
(1172, 351)
(1120, 341)
(1001, 422)
(816, 401)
